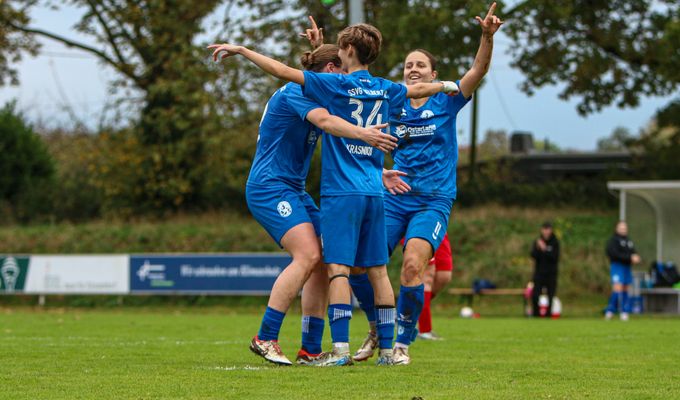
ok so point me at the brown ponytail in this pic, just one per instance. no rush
(318, 59)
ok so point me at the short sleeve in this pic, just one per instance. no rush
(320, 87)
(457, 102)
(300, 104)
(397, 94)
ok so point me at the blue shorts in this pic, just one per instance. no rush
(423, 217)
(280, 208)
(353, 230)
(621, 274)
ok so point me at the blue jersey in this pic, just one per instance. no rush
(428, 150)
(286, 141)
(350, 166)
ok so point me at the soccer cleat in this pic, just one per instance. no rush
(269, 350)
(367, 349)
(400, 356)
(429, 336)
(306, 358)
(608, 315)
(385, 357)
(624, 316)
(333, 359)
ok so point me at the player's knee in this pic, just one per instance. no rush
(411, 269)
(443, 278)
(309, 258)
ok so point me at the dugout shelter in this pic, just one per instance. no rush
(652, 211)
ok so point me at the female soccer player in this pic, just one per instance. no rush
(352, 211)
(276, 196)
(428, 153)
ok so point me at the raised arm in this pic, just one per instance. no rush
(471, 80)
(268, 65)
(339, 127)
(420, 90)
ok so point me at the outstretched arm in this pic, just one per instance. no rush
(420, 90)
(339, 127)
(268, 65)
(490, 25)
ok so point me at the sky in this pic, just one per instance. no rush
(60, 75)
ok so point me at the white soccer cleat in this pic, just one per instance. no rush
(429, 336)
(367, 349)
(269, 350)
(333, 359)
(608, 315)
(400, 356)
(624, 316)
(385, 357)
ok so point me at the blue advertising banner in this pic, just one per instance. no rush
(249, 274)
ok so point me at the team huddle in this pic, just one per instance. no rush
(365, 210)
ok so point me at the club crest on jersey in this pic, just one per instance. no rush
(400, 131)
(426, 114)
(311, 138)
(284, 209)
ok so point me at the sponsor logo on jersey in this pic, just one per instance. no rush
(414, 131)
(360, 150)
(426, 114)
(284, 209)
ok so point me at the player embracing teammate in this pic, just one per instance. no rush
(353, 208)
(428, 153)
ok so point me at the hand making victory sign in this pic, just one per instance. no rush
(314, 35)
(491, 23)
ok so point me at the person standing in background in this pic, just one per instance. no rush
(546, 254)
(622, 256)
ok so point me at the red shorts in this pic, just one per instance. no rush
(443, 260)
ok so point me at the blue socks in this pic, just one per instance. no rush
(363, 291)
(625, 303)
(338, 317)
(615, 300)
(385, 326)
(312, 334)
(409, 306)
(271, 324)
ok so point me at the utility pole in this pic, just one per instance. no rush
(473, 136)
(356, 12)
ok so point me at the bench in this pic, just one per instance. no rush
(468, 294)
(661, 300)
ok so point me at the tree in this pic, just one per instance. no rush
(603, 51)
(26, 167)
(150, 43)
(495, 145)
(619, 140)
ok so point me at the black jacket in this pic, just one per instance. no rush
(620, 249)
(546, 261)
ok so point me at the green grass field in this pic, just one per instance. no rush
(201, 353)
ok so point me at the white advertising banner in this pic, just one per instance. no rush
(99, 274)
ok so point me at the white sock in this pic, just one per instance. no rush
(401, 345)
(341, 347)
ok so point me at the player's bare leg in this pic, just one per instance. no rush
(417, 253)
(314, 305)
(339, 314)
(385, 312)
(303, 245)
